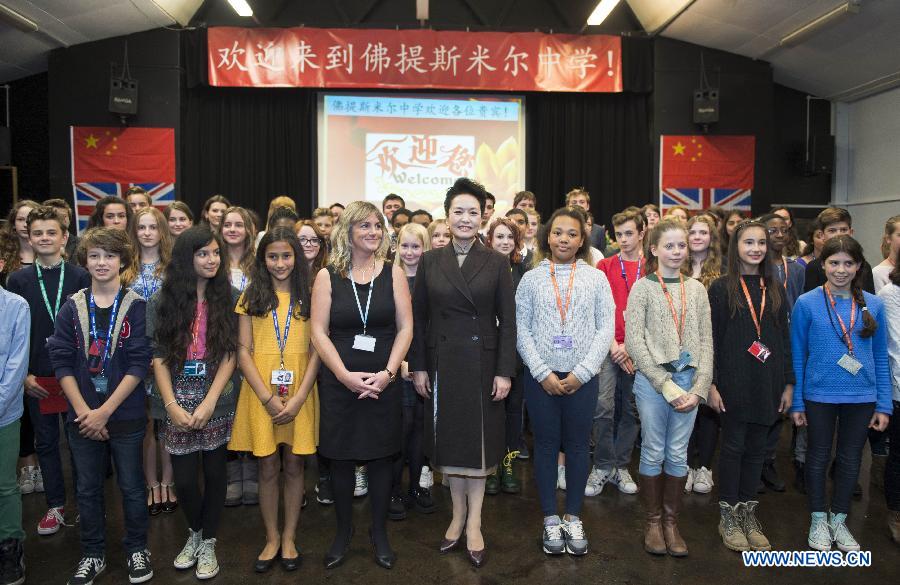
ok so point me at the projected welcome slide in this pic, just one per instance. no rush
(416, 146)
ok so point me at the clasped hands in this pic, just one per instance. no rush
(366, 384)
(553, 386)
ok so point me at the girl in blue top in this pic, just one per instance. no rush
(841, 365)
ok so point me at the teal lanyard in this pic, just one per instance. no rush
(62, 279)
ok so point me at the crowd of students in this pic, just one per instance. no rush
(382, 339)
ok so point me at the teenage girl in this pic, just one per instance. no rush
(890, 295)
(276, 412)
(890, 244)
(728, 226)
(668, 335)
(753, 378)
(179, 216)
(17, 251)
(193, 326)
(238, 234)
(813, 248)
(112, 212)
(705, 264)
(839, 344)
(152, 241)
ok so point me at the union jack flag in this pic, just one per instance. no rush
(88, 194)
(700, 199)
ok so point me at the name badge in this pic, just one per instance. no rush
(759, 351)
(282, 377)
(850, 363)
(364, 343)
(683, 361)
(101, 384)
(194, 368)
(562, 342)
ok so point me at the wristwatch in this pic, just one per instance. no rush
(393, 375)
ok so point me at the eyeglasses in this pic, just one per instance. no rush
(780, 231)
(310, 241)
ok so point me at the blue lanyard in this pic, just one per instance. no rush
(282, 343)
(112, 324)
(244, 283)
(637, 277)
(154, 282)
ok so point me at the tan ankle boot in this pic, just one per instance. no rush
(752, 528)
(730, 527)
(673, 491)
(894, 524)
(651, 494)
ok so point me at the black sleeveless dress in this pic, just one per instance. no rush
(350, 428)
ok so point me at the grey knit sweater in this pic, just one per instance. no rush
(652, 340)
(590, 320)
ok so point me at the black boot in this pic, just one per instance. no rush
(799, 477)
(12, 561)
(770, 476)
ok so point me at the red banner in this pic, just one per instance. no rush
(413, 59)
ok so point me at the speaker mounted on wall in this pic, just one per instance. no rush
(706, 106)
(123, 92)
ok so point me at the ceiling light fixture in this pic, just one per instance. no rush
(604, 7)
(817, 24)
(241, 7)
(17, 20)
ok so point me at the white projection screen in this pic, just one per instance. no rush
(370, 145)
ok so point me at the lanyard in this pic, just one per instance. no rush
(847, 333)
(363, 316)
(151, 288)
(679, 325)
(563, 310)
(112, 324)
(762, 307)
(637, 276)
(62, 278)
(195, 329)
(243, 281)
(282, 343)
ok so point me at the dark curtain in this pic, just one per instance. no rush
(252, 143)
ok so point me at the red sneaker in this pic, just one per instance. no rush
(51, 521)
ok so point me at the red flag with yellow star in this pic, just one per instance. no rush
(699, 171)
(123, 155)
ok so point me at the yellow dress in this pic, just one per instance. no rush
(253, 427)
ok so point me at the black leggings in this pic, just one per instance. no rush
(740, 459)
(703, 441)
(413, 431)
(343, 480)
(202, 511)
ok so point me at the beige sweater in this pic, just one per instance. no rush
(651, 338)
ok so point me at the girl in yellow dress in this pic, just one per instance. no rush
(277, 405)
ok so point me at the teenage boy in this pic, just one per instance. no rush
(490, 202)
(390, 204)
(15, 324)
(525, 200)
(614, 436)
(791, 276)
(835, 221)
(582, 199)
(101, 355)
(520, 217)
(45, 286)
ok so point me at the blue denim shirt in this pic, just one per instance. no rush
(15, 328)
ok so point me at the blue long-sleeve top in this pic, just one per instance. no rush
(15, 327)
(817, 346)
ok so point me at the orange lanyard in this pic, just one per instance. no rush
(847, 333)
(678, 325)
(762, 307)
(784, 263)
(563, 310)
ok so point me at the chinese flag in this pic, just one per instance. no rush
(711, 162)
(123, 155)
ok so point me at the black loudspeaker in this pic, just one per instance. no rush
(123, 96)
(821, 154)
(5, 147)
(706, 106)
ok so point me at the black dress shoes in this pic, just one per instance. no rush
(448, 545)
(477, 557)
(263, 566)
(335, 560)
(384, 559)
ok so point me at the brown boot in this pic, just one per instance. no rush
(894, 523)
(651, 494)
(673, 490)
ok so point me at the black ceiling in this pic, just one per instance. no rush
(561, 16)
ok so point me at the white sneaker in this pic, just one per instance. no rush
(624, 482)
(187, 558)
(703, 481)
(596, 480)
(207, 564)
(841, 534)
(561, 477)
(689, 483)
(426, 479)
(26, 480)
(38, 478)
(362, 482)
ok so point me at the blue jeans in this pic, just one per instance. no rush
(615, 425)
(91, 458)
(46, 444)
(665, 432)
(561, 421)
